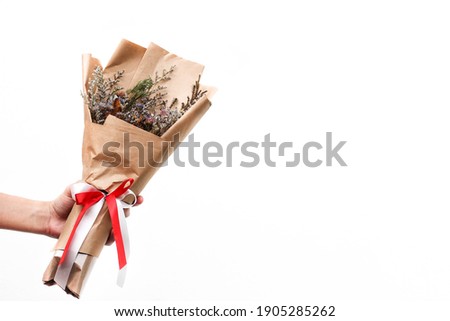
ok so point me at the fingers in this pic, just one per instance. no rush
(67, 191)
(139, 201)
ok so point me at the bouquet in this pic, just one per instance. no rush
(137, 110)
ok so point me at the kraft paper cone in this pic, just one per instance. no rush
(138, 63)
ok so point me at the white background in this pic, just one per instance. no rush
(371, 238)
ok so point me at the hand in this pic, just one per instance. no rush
(59, 209)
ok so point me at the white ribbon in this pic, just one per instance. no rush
(85, 225)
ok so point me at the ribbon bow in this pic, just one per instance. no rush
(92, 201)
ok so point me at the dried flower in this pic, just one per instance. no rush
(143, 106)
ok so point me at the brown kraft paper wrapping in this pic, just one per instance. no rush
(138, 63)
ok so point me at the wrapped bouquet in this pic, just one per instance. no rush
(137, 110)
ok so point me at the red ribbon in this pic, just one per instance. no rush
(87, 199)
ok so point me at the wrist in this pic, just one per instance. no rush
(25, 215)
(40, 218)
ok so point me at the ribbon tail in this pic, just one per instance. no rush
(117, 229)
(121, 276)
(126, 240)
(72, 234)
(120, 231)
(84, 225)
